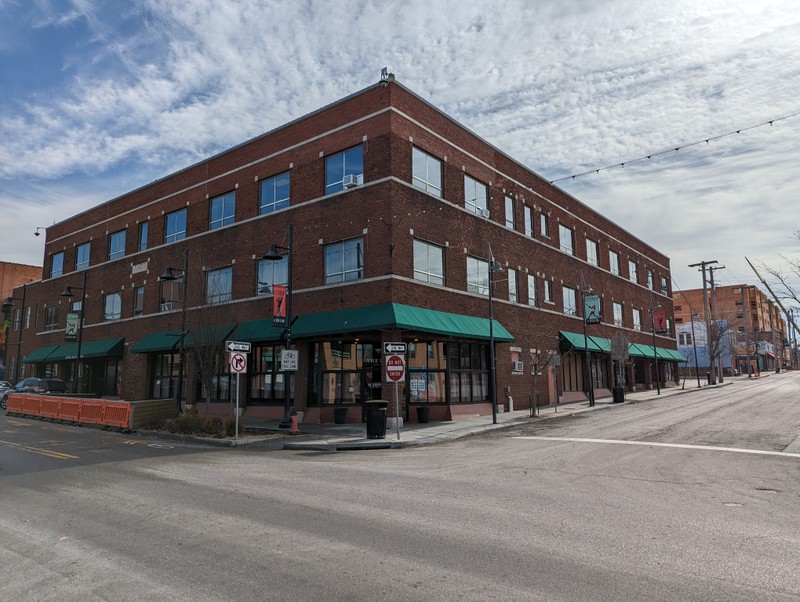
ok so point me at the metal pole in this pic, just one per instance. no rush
(236, 434)
(182, 340)
(75, 380)
(287, 409)
(492, 371)
(590, 392)
(655, 351)
(703, 265)
(397, 409)
(696, 363)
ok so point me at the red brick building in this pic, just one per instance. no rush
(13, 275)
(392, 208)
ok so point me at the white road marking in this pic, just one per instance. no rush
(737, 450)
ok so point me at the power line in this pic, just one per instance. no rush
(674, 148)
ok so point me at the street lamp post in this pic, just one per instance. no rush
(277, 253)
(9, 303)
(68, 293)
(585, 290)
(653, 307)
(169, 276)
(493, 267)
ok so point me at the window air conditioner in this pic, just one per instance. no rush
(516, 366)
(483, 212)
(350, 181)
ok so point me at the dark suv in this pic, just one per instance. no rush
(35, 385)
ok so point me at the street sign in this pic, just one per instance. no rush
(237, 346)
(400, 348)
(238, 363)
(395, 368)
(290, 358)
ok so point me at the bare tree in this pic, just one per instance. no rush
(540, 360)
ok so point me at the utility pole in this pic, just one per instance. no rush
(702, 265)
(719, 333)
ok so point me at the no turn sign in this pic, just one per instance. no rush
(238, 362)
(395, 368)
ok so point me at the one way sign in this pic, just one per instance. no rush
(394, 348)
(237, 346)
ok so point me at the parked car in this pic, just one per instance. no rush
(35, 385)
(4, 386)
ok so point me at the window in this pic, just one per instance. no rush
(618, 318)
(531, 289)
(512, 285)
(171, 294)
(17, 319)
(28, 317)
(565, 239)
(568, 296)
(548, 291)
(270, 273)
(219, 284)
(138, 300)
(428, 262)
(426, 172)
(468, 372)
(477, 276)
(633, 271)
(116, 245)
(665, 288)
(613, 262)
(143, 232)
(528, 221)
(82, 256)
(544, 224)
(649, 276)
(592, 251)
(56, 264)
(51, 318)
(223, 211)
(112, 307)
(474, 195)
(685, 338)
(637, 319)
(274, 193)
(175, 226)
(344, 261)
(338, 167)
(509, 212)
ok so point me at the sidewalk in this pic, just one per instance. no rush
(341, 437)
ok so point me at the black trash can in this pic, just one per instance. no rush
(619, 394)
(376, 418)
(423, 414)
(340, 415)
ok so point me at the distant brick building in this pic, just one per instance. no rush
(392, 208)
(12, 275)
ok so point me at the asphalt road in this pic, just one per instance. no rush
(693, 497)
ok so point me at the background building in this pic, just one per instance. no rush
(13, 275)
(391, 223)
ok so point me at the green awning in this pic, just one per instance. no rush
(642, 350)
(257, 331)
(39, 355)
(397, 316)
(209, 336)
(158, 341)
(573, 340)
(89, 350)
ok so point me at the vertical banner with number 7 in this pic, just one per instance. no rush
(279, 305)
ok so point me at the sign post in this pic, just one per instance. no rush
(238, 363)
(395, 371)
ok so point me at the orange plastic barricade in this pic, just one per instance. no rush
(15, 405)
(49, 407)
(91, 412)
(117, 414)
(30, 405)
(69, 410)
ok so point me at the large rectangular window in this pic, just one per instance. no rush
(468, 372)
(175, 226)
(618, 318)
(568, 298)
(474, 195)
(116, 245)
(344, 261)
(509, 212)
(566, 239)
(112, 307)
(637, 319)
(51, 318)
(426, 172)
(649, 278)
(428, 262)
(664, 287)
(143, 234)
(171, 294)
(82, 253)
(344, 169)
(512, 286)
(544, 224)
(219, 285)
(138, 300)
(477, 276)
(528, 212)
(223, 211)
(56, 264)
(592, 251)
(270, 273)
(531, 289)
(274, 193)
(613, 262)
(633, 271)
(548, 291)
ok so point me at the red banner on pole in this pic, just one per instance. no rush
(660, 319)
(279, 305)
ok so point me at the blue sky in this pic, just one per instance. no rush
(103, 97)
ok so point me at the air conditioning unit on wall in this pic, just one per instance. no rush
(516, 366)
(350, 181)
(483, 212)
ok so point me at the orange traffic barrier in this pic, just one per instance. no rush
(49, 407)
(69, 409)
(30, 405)
(118, 414)
(92, 412)
(15, 403)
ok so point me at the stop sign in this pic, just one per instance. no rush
(395, 368)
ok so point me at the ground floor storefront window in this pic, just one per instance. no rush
(427, 376)
(164, 370)
(468, 372)
(267, 383)
(345, 372)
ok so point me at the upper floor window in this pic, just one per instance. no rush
(544, 224)
(175, 226)
(344, 169)
(17, 319)
(274, 193)
(613, 262)
(568, 299)
(592, 251)
(685, 338)
(548, 290)
(270, 273)
(426, 172)
(618, 319)
(477, 276)
(56, 264)
(171, 294)
(633, 271)
(344, 261)
(528, 214)
(565, 239)
(531, 289)
(82, 253)
(143, 234)
(219, 285)
(649, 276)
(223, 210)
(509, 212)
(428, 262)
(474, 195)
(665, 288)
(138, 300)
(637, 319)
(28, 317)
(512, 285)
(116, 245)
(51, 318)
(112, 307)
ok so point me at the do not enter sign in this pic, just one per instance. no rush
(395, 368)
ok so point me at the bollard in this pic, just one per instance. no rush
(293, 430)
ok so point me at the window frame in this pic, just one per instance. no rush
(223, 276)
(342, 276)
(115, 312)
(477, 269)
(346, 156)
(544, 225)
(547, 290)
(472, 200)
(568, 293)
(424, 270)
(426, 183)
(510, 220)
(56, 264)
(173, 234)
(50, 318)
(619, 316)
(633, 271)
(528, 219)
(513, 289)
(222, 210)
(278, 201)
(613, 262)
(83, 256)
(144, 234)
(637, 319)
(115, 250)
(266, 269)
(138, 295)
(532, 296)
(592, 252)
(562, 231)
